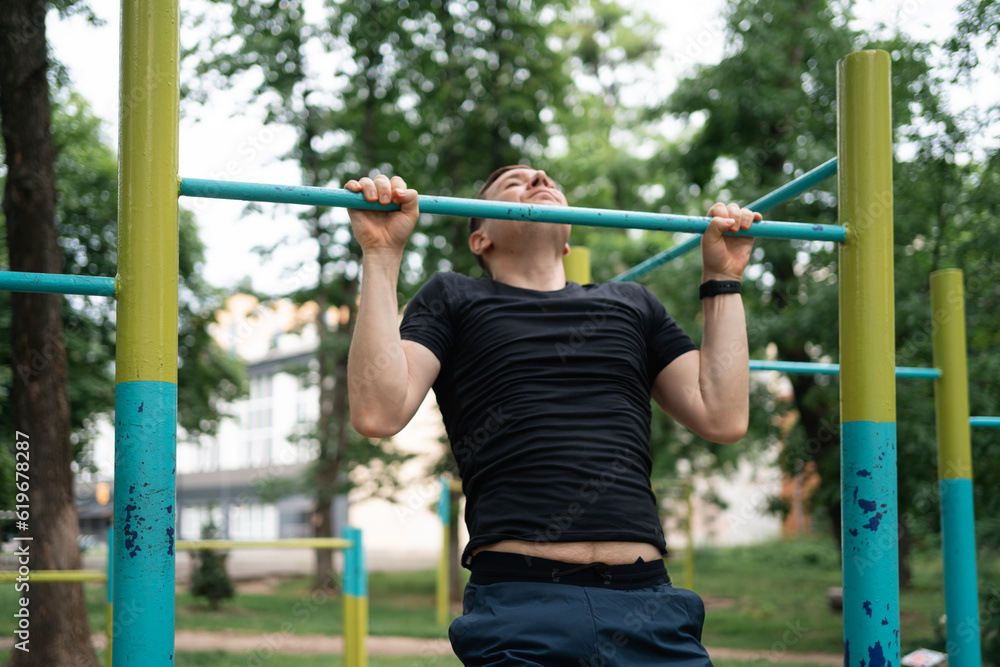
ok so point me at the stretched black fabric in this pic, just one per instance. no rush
(546, 401)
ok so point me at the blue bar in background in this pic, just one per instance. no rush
(55, 283)
(780, 196)
(808, 368)
(794, 188)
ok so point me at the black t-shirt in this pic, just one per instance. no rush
(546, 401)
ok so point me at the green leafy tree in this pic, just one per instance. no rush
(768, 110)
(38, 401)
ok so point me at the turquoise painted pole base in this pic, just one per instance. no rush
(961, 596)
(145, 504)
(871, 544)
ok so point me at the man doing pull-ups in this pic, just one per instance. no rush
(545, 386)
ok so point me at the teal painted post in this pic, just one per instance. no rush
(870, 518)
(444, 501)
(958, 544)
(145, 446)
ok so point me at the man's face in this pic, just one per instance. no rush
(526, 186)
(522, 185)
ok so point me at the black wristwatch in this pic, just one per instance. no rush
(715, 287)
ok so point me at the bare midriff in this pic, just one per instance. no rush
(609, 553)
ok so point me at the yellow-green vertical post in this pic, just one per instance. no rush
(443, 587)
(867, 361)
(146, 361)
(689, 527)
(109, 583)
(577, 265)
(958, 534)
(355, 601)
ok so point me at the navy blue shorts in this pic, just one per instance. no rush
(521, 612)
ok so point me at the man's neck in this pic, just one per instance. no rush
(541, 276)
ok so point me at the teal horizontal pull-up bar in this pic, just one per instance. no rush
(670, 254)
(984, 422)
(807, 368)
(55, 283)
(795, 187)
(478, 208)
(787, 191)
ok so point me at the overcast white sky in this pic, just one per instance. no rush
(230, 133)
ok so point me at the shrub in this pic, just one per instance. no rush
(210, 579)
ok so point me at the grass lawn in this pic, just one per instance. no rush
(772, 598)
(769, 598)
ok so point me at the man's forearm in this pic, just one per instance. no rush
(724, 376)
(377, 376)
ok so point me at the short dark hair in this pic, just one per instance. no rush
(476, 223)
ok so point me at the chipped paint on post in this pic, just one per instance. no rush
(958, 530)
(145, 446)
(870, 529)
(867, 361)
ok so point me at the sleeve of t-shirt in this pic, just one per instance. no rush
(427, 318)
(665, 340)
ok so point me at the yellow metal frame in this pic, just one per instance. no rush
(148, 143)
(577, 265)
(301, 543)
(51, 576)
(867, 329)
(951, 393)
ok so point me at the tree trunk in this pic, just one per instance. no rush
(58, 631)
(329, 463)
(905, 542)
